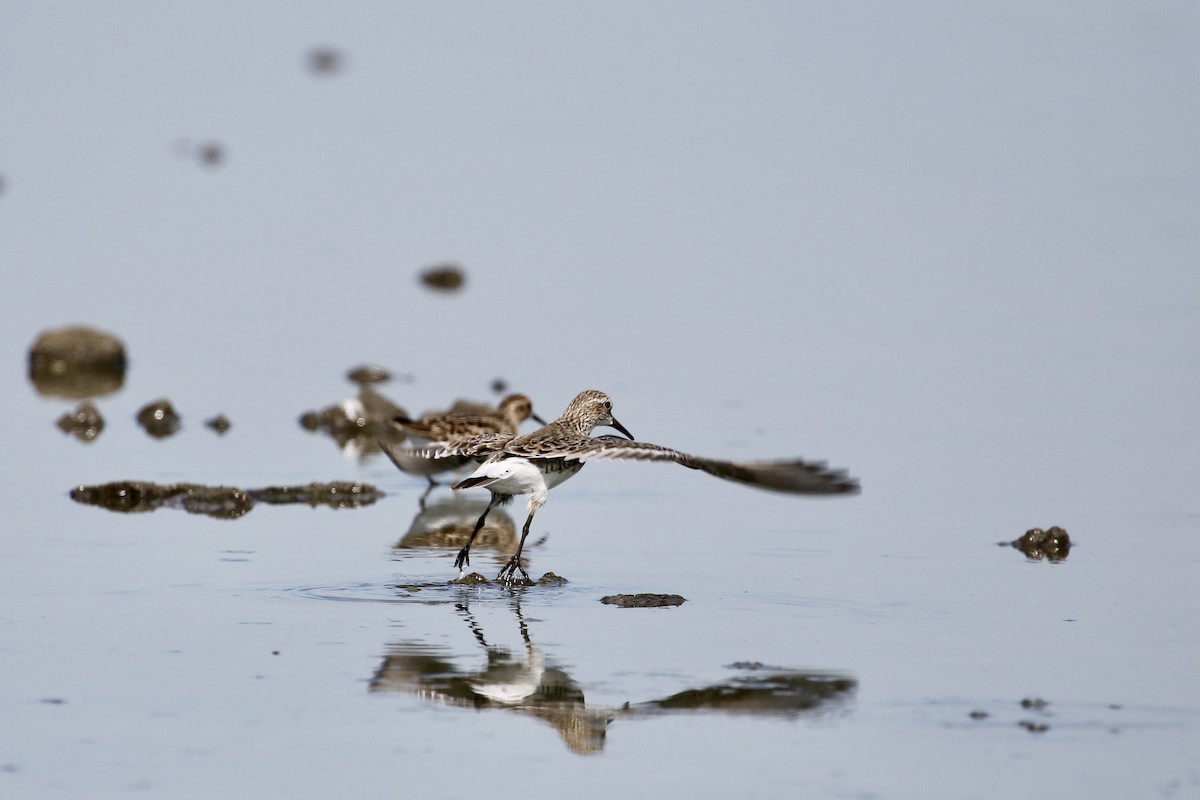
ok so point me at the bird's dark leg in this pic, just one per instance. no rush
(514, 564)
(464, 555)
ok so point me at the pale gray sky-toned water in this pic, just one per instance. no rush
(952, 248)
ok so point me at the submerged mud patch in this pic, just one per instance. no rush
(644, 600)
(221, 502)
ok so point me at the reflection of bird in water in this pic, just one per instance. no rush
(457, 423)
(448, 522)
(535, 463)
(528, 685)
(525, 685)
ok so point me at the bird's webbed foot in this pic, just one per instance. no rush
(463, 559)
(508, 575)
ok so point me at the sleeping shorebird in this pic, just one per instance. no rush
(535, 463)
(507, 418)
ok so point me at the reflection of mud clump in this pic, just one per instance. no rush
(77, 362)
(444, 278)
(221, 502)
(1052, 544)
(783, 693)
(84, 422)
(645, 600)
(159, 419)
(359, 422)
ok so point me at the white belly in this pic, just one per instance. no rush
(522, 476)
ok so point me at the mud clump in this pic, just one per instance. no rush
(1052, 544)
(324, 61)
(475, 579)
(368, 373)
(444, 278)
(644, 600)
(471, 579)
(159, 419)
(210, 154)
(336, 494)
(219, 502)
(77, 362)
(84, 423)
(220, 423)
(359, 422)
(139, 496)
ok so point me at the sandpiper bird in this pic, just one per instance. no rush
(535, 463)
(507, 418)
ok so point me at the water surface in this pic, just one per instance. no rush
(951, 250)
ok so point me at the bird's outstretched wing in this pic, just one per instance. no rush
(792, 476)
(478, 447)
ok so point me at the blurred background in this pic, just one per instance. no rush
(952, 248)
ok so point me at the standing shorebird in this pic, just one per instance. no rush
(535, 463)
(507, 418)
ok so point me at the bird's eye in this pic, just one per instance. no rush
(607, 406)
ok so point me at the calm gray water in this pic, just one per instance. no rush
(952, 250)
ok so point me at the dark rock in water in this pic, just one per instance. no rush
(550, 579)
(645, 600)
(84, 422)
(221, 502)
(159, 418)
(77, 362)
(1052, 544)
(220, 423)
(444, 278)
(499, 386)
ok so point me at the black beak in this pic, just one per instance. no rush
(537, 419)
(621, 428)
